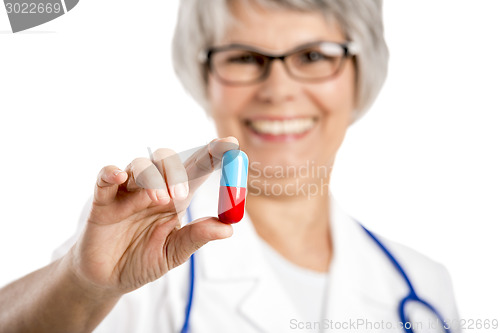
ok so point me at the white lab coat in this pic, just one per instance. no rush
(237, 291)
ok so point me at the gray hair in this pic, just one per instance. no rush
(201, 23)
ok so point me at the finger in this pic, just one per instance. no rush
(218, 147)
(106, 187)
(185, 241)
(203, 162)
(172, 169)
(143, 174)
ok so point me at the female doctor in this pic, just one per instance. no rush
(283, 80)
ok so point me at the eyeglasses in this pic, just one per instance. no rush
(238, 64)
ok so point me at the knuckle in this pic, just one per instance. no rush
(177, 174)
(139, 161)
(169, 163)
(100, 186)
(139, 164)
(163, 152)
(205, 163)
(166, 155)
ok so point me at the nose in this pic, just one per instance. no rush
(279, 86)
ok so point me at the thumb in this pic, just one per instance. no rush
(193, 236)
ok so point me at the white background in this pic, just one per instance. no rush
(96, 87)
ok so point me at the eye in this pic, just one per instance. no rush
(312, 56)
(245, 59)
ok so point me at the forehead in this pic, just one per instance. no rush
(277, 29)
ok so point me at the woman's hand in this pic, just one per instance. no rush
(133, 234)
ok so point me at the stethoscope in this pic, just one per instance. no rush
(403, 315)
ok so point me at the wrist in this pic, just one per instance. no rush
(82, 286)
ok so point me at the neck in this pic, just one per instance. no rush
(297, 227)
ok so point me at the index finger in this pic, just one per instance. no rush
(207, 159)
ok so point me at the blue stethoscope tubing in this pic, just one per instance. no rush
(189, 305)
(411, 297)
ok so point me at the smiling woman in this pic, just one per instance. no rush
(283, 80)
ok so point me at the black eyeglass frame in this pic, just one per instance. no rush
(349, 48)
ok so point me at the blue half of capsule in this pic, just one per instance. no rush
(234, 169)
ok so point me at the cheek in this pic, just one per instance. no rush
(336, 98)
(215, 94)
(225, 100)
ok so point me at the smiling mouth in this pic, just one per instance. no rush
(280, 127)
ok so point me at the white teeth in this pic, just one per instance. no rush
(281, 127)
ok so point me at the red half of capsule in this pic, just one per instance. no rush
(231, 203)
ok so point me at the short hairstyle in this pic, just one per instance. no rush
(202, 23)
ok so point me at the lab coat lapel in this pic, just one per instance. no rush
(264, 304)
(267, 305)
(240, 261)
(362, 284)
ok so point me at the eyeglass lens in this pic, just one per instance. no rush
(240, 65)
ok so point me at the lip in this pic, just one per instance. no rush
(282, 137)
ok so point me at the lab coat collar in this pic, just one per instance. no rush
(361, 281)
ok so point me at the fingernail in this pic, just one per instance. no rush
(117, 171)
(161, 194)
(181, 191)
